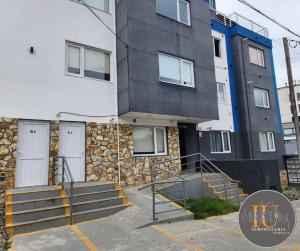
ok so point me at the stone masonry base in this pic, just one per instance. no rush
(101, 153)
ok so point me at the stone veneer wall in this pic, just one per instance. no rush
(102, 154)
(54, 148)
(8, 149)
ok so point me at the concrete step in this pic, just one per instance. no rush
(36, 225)
(97, 204)
(33, 209)
(81, 197)
(36, 214)
(230, 192)
(97, 213)
(34, 204)
(93, 187)
(220, 187)
(37, 193)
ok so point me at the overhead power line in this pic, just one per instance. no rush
(100, 19)
(268, 17)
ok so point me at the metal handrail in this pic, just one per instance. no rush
(67, 178)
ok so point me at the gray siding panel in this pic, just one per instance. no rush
(148, 33)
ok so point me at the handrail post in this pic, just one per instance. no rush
(153, 201)
(201, 168)
(184, 194)
(238, 193)
(71, 203)
(63, 172)
(225, 189)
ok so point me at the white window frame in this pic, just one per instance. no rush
(188, 12)
(156, 153)
(264, 93)
(270, 136)
(192, 85)
(223, 143)
(262, 54)
(109, 6)
(225, 93)
(82, 58)
(178, 12)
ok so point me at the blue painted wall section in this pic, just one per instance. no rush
(276, 93)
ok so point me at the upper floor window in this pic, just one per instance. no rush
(298, 96)
(99, 4)
(220, 142)
(149, 140)
(217, 45)
(267, 142)
(176, 9)
(261, 98)
(87, 62)
(257, 56)
(176, 70)
(221, 93)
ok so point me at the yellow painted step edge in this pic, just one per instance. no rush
(8, 213)
(125, 200)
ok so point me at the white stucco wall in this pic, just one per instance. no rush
(35, 86)
(225, 122)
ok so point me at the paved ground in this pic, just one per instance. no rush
(119, 233)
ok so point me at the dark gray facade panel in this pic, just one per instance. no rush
(147, 34)
(254, 119)
(254, 175)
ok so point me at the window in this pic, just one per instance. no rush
(176, 70)
(220, 142)
(298, 96)
(87, 62)
(266, 140)
(217, 44)
(221, 93)
(149, 140)
(289, 131)
(261, 98)
(257, 56)
(99, 4)
(175, 9)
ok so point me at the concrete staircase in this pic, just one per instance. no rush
(216, 188)
(33, 209)
(207, 185)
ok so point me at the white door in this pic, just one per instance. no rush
(32, 153)
(72, 146)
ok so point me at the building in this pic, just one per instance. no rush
(287, 117)
(178, 78)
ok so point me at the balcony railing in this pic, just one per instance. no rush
(236, 18)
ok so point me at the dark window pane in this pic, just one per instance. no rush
(217, 48)
(298, 96)
(184, 12)
(216, 142)
(167, 8)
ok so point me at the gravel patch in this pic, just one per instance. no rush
(293, 193)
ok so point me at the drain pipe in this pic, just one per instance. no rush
(119, 163)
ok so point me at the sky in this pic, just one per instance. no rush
(285, 12)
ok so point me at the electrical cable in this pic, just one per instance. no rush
(99, 18)
(268, 17)
(84, 115)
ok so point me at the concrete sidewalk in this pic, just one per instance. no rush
(119, 233)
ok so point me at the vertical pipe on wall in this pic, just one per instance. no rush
(119, 163)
